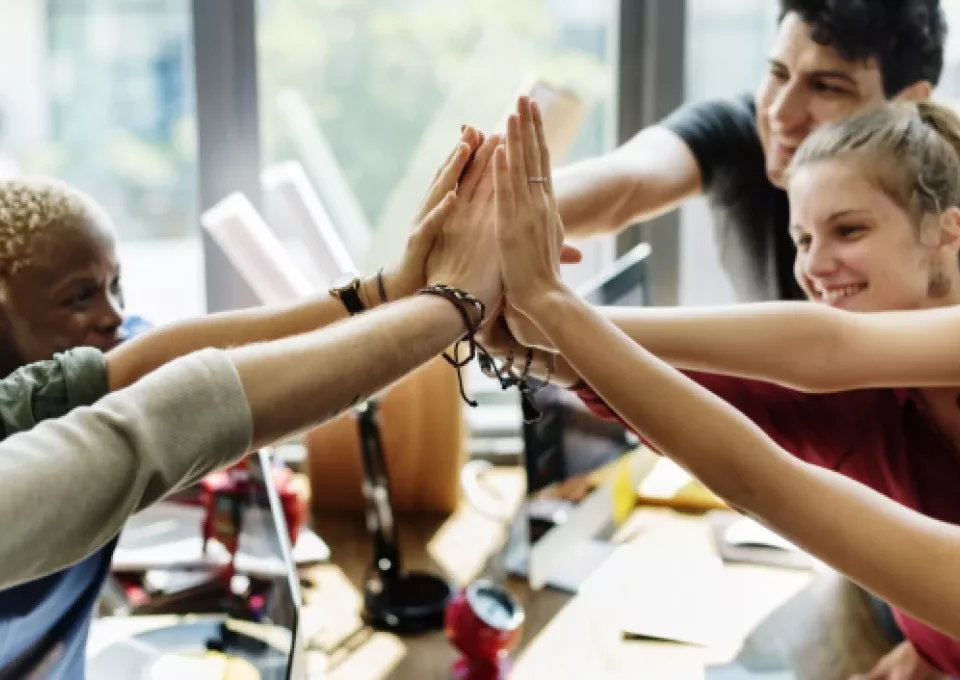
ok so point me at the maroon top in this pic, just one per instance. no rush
(880, 438)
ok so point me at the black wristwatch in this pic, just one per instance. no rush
(347, 289)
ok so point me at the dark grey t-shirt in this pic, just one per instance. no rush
(751, 216)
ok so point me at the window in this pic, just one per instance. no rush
(368, 95)
(102, 98)
(740, 30)
(949, 89)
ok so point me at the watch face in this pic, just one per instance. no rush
(495, 606)
(344, 281)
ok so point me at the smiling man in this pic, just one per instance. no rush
(830, 59)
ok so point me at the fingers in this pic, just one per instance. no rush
(432, 224)
(473, 154)
(531, 151)
(518, 172)
(570, 254)
(544, 161)
(448, 174)
(446, 161)
(478, 167)
(446, 179)
(469, 136)
(484, 193)
(503, 192)
(421, 241)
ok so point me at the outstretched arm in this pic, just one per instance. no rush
(804, 346)
(646, 177)
(132, 360)
(74, 480)
(904, 557)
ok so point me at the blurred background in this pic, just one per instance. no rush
(102, 93)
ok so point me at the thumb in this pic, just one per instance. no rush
(429, 229)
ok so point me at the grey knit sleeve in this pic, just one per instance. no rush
(68, 484)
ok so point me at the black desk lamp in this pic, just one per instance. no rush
(393, 599)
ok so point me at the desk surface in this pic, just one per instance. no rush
(818, 621)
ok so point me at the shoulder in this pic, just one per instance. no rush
(733, 118)
(52, 388)
(721, 134)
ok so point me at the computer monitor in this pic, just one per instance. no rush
(568, 441)
(623, 284)
(568, 512)
(198, 627)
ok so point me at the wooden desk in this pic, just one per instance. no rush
(825, 628)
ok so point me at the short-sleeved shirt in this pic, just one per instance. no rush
(878, 437)
(751, 216)
(45, 623)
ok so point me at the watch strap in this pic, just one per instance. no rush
(350, 297)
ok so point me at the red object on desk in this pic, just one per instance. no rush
(484, 621)
(224, 494)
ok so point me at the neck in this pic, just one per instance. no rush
(948, 299)
(9, 361)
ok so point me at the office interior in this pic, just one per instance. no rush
(191, 120)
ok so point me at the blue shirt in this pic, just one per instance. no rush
(48, 619)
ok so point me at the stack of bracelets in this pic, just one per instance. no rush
(506, 373)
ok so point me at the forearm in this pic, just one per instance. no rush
(295, 383)
(73, 481)
(794, 344)
(140, 356)
(906, 558)
(878, 542)
(651, 397)
(804, 346)
(593, 197)
(646, 177)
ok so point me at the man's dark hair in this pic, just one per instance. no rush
(906, 37)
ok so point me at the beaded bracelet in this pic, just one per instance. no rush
(460, 299)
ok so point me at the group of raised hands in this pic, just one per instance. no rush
(488, 224)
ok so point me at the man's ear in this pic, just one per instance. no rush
(919, 91)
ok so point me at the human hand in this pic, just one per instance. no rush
(903, 662)
(528, 229)
(524, 330)
(464, 250)
(410, 274)
(500, 343)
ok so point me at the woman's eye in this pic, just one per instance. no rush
(848, 230)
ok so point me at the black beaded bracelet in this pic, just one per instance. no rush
(381, 287)
(460, 299)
